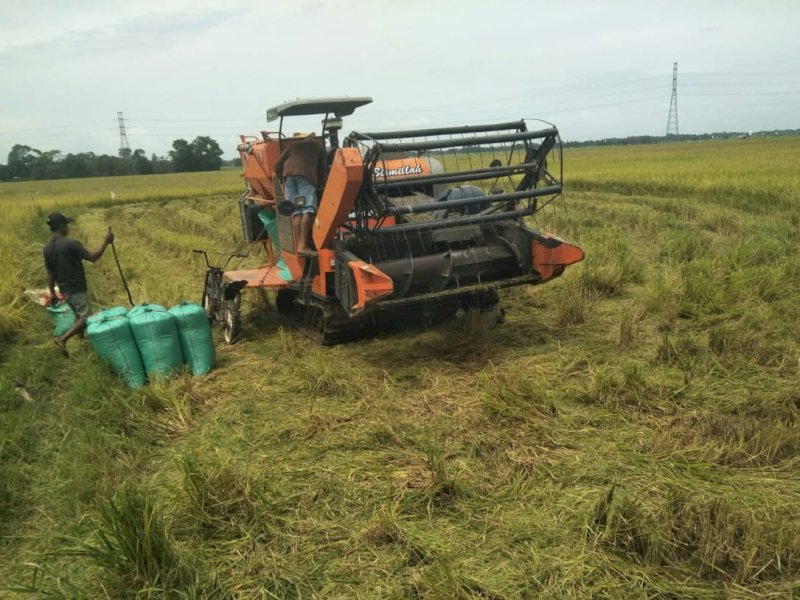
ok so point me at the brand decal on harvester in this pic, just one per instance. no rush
(404, 170)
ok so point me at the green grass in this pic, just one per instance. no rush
(629, 432)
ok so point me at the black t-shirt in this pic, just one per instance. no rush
(63, 258)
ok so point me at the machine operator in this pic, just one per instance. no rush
(302, 170)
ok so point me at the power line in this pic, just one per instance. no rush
(724, 84)
(447, 108)
(525, 97)
(51, 129)
(52, 136)
(181, 119)
(607, 105)
(767, 94)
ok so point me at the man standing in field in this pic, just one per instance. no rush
(63, 259)
(302, 169)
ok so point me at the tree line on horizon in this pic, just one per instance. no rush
(26, 163)
(683, 137)
(204, 154)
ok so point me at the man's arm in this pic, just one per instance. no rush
(51, 278)
(51, 283)
(95, 256)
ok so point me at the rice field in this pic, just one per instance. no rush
(631, 431)
(94, 191)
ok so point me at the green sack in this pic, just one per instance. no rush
(63, 317)
(113, 341)
(270, 220)
(107, 313)
(145, 306)
(156, 336)
(194, 334)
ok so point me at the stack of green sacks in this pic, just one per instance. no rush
(156, 336)
(194, 334)
(110, 334)
(151, 342)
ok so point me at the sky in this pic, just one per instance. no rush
(183, 68)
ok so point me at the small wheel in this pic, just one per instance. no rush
(208, 306)
(232, 320)
(210, 300)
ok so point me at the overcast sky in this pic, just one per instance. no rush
(182, 68)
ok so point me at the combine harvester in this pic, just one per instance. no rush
(410, 224)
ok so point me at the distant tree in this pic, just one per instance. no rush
(160, 164)
(207, 153)
(110, 165)
(25, 162)
(141, 164)
(125, 153)
(182, 156)
(47, 165)
(21, 160)
(79, 165)
(203, 154)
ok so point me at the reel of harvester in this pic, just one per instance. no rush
(443, 211)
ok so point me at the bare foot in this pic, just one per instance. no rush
(61, 346)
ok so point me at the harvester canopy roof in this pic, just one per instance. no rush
(341, 107)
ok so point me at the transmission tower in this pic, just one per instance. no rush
(124, 147)
(672, 121)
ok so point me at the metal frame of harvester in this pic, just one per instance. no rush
(410, 223)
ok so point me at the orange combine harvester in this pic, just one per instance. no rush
(411, 224)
